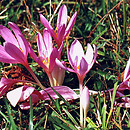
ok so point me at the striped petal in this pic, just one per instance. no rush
(62, 16)
(16, 53)
(7, 35)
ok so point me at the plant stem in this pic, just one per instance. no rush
(81, 109)
(50, 79)
(124, 20)
(34, 76)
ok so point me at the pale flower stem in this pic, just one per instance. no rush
(81, 109)
(34, 76)
(50, 79)
(85, 114)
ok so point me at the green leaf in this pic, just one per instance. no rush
(91, 124)
(114, 94)
(112, 103)
(1, 113)
(13, 125)
(31, 115)
(71, 117)
(60, 123)
(40, 122)
(98, 36)
(61, 98)
(104, 117)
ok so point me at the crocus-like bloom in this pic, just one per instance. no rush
(47, 54)
(64, 91)
(80, 62)
(61, 28)
(122, 100)
(23, 94)
(5, 84)
(15, 49)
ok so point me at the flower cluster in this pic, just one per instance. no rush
(16, 49)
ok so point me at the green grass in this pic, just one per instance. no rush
(103, 23)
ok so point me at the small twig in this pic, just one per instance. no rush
(55, 11)
(50, 8)
(95, 12)
(112, 23)
(3, 11)
(108, 42)
(103, 18)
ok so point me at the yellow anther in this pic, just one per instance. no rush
(46, 61)
(21, 49)
(76, 64)
(55, 31)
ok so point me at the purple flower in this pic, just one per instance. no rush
(22, 95)
(64, 91)
(80, 62)
(62, 29)
(15, 49)
(121, 98)
(5, 84)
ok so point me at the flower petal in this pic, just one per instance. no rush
(41, 45)
(47, 25)
(5, 57)
(22, 43)
(7, 35)
(70, 25)
(26, 92)
(60, 64)
(76, 50)
(26, 105)
(60, 34)
(36, 59)
(89, 54)
(64, 91)
(5, 84)
(62, 16)
(85, 98)
(14, 96)
(16, 53)
(53, 56)
(83, 69)
(47, 40)
(94, 59)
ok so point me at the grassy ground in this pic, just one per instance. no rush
(104, 23)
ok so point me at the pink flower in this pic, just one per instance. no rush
(15, 50)
(64, 91)
(47, 56)
(80, 62)
(5, 84)
(58, 75)
(85, 99)
(47, 53)
(121, 98)
(61, 28)
(23, 94)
